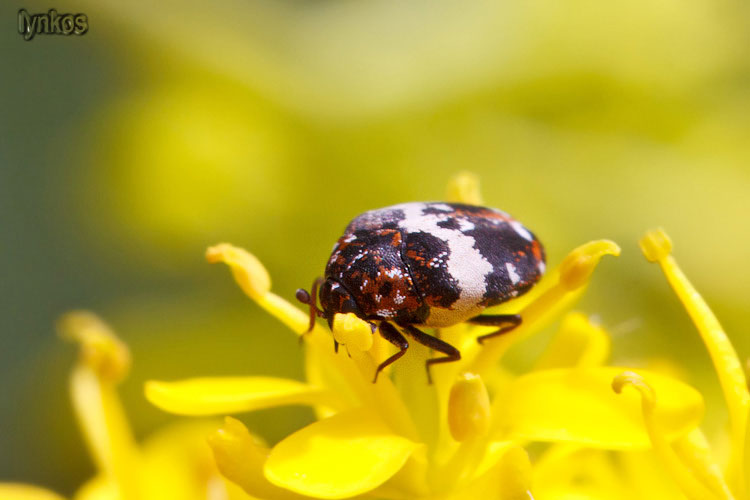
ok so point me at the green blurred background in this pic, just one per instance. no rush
(270, 124)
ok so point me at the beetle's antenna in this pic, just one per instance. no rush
(311, 300)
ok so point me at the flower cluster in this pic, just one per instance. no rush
(173, 463)
(465, 435)
(594, 431)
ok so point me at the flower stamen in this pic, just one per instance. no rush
(101, 350)
(469, 419)
(352, 332)
(682, 475)
(247, 270)
(103, 363)
(468, 408)
(464, 188)
(657, 247)
(563, 287)
(252, 277)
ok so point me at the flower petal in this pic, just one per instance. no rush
(409, 482)
(514, 475)
(222, 395)
(18, 491)
(645, 474)
(693, 449)
(508, 479)
(178, 464)
(322, 372)
(568, 471)
(578, 405)
(98, 488)
(240, 458)
(578, 342)
(345, 455)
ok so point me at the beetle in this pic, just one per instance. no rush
(427, 264)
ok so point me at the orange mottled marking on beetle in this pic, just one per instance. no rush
(536, 249)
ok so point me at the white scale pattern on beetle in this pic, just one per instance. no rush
(470, 278)
(522, 231)
(512, 274)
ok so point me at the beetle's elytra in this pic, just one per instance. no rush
(427, 264)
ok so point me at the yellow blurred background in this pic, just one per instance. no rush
(270, 124)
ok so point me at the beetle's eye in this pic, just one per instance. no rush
(303, 296)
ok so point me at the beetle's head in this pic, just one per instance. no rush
(335, 299)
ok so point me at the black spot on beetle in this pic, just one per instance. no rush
(385, 288)
(450, 223)
(500, 245)
(426, 255)
(431, 209)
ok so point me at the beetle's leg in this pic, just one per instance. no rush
(330, 327)
(311, 300)
(451, 353)
(510, 321)
(392, 335)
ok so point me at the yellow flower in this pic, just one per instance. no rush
(674, 468)
(402, 438)
(684, 461)
(174, 463)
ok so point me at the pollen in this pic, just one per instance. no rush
(656, 245)
(352, 332)
(468, 408)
